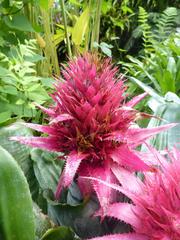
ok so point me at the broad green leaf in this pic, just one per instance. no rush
(37, 93)
(80, 27)
(20, 152)
(4, 71)
(171, 67)
(167, 113)
(78, 217)
(47, 168)
(34, 58)
(4, 116)
(147, 89)
(16, 212)
(59, 233)
(172, 97)
(19, 22)
(169, 81)
(59, 36)
(9, 89)
(48, 82)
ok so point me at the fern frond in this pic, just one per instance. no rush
(146, 30)
(166, 23)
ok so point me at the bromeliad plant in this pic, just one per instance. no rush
(93, 126)
(154, 213)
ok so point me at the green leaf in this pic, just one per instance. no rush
(172, 97)
(44, 4)
(9, 89)
(169, 82)
(75, 2)
(59, 233)
(34, 58)
(37, 93)
(4, 116)
(168, 112)
(171, 67)
(105, 48)
(43, 222)
(48, 82)
(19, 22)
(20, 152)
(147, 89)
(4, 72)
(106, 6)
(16, 212)
(47, 168)
(80, 27)
(78, 217)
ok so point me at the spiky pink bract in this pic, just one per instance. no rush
(92, 125)
(155, 209)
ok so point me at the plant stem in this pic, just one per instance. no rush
(65, 27)
(50, 49)
(96, 22)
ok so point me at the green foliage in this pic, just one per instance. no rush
(19, 84)
(59, 233)
(47, 168)
(110, 26)
(14, 25)
(80, 27)
(16, 212)
(104, 47)
(21, 153)
(167, 112)
(160, 68)
(165, 24)
(146, 30)
(42, 221)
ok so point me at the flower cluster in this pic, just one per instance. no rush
(155, 212)
(93, 125)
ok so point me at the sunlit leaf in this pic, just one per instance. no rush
(80, 27)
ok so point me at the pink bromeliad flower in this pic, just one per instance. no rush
(154, 213)
(92, 125)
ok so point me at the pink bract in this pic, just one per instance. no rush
(155, 210)
(91, 123)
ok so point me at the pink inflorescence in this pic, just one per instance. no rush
(93, 126)
(155, 210)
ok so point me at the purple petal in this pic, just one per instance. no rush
(61, 118)
(110, 185)
(123, 212)
(137, 136)
(50, 143)
(127, 179)
(103, 192)
(49, 112)
(136, 100)
(125, 157)
(41, 128)
(72, 164)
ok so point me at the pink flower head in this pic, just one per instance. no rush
(92, 125)
(155, 212)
